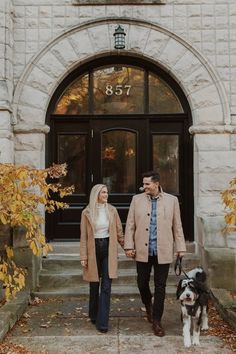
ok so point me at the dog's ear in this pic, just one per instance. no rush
(179, 289)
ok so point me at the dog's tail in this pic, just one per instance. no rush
(201, 276)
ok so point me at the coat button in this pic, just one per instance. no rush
(146, 244)
(148, 214)
(146, 229)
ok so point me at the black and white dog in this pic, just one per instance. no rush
(193, 294)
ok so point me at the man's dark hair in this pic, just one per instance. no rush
(153, 174)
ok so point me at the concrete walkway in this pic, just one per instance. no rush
(61, 326)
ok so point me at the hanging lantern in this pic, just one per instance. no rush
(119, 35)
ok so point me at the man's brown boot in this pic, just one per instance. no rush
(158, 329)
(149, 312)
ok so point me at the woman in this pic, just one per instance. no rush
(100, 230)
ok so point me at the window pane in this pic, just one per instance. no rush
(118, 90)
(74, 99)
(71, 149)
(166, 161)
(119, 161)
(162, 98)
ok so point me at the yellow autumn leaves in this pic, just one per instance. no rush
(12, 277)
(23, 192)
(229, 200)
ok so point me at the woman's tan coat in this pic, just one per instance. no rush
(87, 244)
(170, 235)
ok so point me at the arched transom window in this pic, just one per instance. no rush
(118, 89)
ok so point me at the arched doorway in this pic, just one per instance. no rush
(111, 120)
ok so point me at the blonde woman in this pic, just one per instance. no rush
(100, 230)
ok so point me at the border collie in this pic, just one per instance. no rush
(193, 295)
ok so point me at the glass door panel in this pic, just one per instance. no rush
(165, 155)
(119, 153)
(71, 149)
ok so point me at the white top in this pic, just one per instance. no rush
(102, 222)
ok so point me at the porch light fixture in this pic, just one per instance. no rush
(119, 35)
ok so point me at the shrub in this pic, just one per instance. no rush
(23, 192)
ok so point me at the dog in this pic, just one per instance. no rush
(194, 296)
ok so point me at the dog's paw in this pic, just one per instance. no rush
(204, 327)
(196, 340)
(187, 343)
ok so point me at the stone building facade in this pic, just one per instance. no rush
(194, 41)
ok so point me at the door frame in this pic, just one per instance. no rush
(186, 118)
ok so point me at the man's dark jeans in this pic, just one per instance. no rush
(160, 277)
(99, 305)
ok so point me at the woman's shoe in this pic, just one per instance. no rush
(102, 330)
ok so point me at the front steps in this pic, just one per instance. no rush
(61, 274)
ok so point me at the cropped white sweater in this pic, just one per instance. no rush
(102, 222)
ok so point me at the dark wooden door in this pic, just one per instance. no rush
(116, 151)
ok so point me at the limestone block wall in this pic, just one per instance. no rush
(6, 81)
(215, 165)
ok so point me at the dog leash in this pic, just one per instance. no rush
(178, 267)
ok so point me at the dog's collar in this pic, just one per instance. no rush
(192, 309)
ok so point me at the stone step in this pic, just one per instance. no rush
(74, 278)
(57, 262)
(80, 290)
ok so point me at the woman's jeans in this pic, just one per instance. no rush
(99, 305)
(160, 278)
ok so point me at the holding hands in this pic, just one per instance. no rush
(130, 253)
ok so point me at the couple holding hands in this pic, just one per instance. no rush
(153, 230)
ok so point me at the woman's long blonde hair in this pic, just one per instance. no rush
(93, 200)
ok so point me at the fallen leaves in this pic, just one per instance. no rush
(219, 328)
(14, 349)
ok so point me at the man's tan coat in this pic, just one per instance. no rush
(170, 235)
(87, 244)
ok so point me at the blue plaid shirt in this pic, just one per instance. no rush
(153, 229)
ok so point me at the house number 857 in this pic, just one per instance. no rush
(118, 90)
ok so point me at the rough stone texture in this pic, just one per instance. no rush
(11, 312)
(6, 150)
(25, 259)
(224, 304)
(4, 236)
(222, 268)
(29, 142)
(6, 79)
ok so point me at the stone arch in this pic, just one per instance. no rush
(196, 76)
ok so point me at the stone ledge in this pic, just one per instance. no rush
(118, 2)
(26, 129)
(12, 311)
(212, 129)
(223, 304)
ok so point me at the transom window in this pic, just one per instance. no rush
(118, 89)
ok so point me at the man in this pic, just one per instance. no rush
(153, 228)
